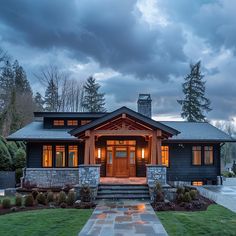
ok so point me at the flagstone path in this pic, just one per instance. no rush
(123, 217)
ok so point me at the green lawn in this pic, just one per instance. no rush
(63, 222)
(217, 220)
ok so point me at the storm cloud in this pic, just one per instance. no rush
(135, 46)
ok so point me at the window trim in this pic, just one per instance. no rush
(72, 121)
(58, 121)
(42, 159)
(168, 153)
(193, 155)
(66, 154)
(211, 146)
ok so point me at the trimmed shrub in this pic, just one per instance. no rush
(159, 196)
(180, 198)
(50, 196)
(29, 201)
(71, 198)
(193, 193)
(18, 201)
(63, 205)
(35, 194)
(6, 203)
(85, 194)
(41, 199)
(61, 197)
(187, 197)
(180, 190)
(157, 187)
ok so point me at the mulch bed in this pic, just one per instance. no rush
(195, 205)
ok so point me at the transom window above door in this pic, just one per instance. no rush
(121, 142)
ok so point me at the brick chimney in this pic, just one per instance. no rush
(145, 105)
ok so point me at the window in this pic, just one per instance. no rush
(60, 156)
(84, 122)
(73, 156)
(121, 152)
(47, 156)
(197, 155)
(208, 155)
(109, 155)
(165, 155)
(72, 122)
(132, 155)
(58, 122)
(121, 142)
(197, 183)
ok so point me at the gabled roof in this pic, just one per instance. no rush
(129, 112)
(36, 131)
(197, 131)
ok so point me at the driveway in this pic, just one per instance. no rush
(223, 195)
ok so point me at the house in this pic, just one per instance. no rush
(80, 147)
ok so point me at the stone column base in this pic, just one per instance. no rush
(155, 173)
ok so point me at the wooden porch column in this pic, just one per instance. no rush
(154, 148)
(92, 148)
(159, 158)
(87, 147)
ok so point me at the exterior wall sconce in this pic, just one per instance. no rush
(99, 153)
(143, 153)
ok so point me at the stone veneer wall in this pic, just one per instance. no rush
(155, 173)
(89, 175)
(50, 177)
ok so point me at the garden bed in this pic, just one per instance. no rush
(187, 199)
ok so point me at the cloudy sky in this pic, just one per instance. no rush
(131, 47)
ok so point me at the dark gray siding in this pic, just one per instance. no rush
(34, 154)
(181, 168)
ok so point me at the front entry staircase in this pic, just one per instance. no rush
(123, 191)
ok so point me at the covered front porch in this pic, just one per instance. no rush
(123, 143)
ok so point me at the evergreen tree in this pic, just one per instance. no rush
(195, 104)
(93, 101)
(39, 102)
(51, 96)
(21, 82)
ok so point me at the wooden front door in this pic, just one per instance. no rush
(121, 167)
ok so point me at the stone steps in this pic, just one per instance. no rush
(116, 191)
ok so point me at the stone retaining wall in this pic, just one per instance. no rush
(50, 177)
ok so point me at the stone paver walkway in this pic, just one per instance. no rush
(223, 195)
(123, 217)
(131, 180)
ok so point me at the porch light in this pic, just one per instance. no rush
(143, 153)
(99, 153)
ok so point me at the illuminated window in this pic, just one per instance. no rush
(47, 156)
(84, 122)
(58, 122)
(165, 155)
(73, 156)
(197, 183)
(208, 155)
(72, 122)
(60, 156)
(109, 155)
(197, 155)
(121, 142)
(132, 155)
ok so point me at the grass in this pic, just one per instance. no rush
(217, 220)
(50, 222)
